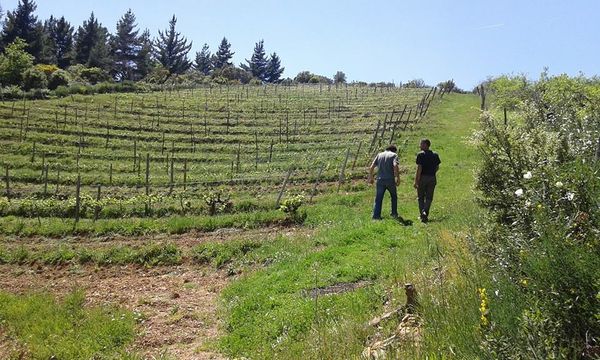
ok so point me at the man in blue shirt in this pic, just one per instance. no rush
(428, 163)
(388, 177)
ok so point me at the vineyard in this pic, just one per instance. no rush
(209, 157)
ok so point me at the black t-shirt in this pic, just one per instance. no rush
(429, 162)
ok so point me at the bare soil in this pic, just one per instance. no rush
(178, 303)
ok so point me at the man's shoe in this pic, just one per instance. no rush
(424, 218)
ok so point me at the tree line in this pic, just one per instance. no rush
(128, 54)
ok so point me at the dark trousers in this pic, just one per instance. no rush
(425, 193)
(382, 186)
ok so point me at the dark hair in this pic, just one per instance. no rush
(392, 148)
(427, 142)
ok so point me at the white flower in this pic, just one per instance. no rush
(497, 292)
(570, 196)
(559, 184)
(519, 192)
(527, 175)
(528, 203)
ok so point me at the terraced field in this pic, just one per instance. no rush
(195, 159)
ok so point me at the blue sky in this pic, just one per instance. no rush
(377, 40)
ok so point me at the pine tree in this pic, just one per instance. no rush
(58, 42)
(24, 24)
(203, 61)
(100, 52)
(144, 59)
(223, 56)
(171, 49)
(125, 48)
(91, 44)
(257, 65)
(274, 69)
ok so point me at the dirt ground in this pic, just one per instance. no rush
(178, 303)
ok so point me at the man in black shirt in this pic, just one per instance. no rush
(428, 163)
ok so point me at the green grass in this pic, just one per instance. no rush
(146, 255)
(58, 227)
(46, 328)
(268, 315)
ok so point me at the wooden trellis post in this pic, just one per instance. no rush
(314, 189)
(287, 178)
(342, 171)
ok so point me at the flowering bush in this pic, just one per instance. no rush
(539, 181)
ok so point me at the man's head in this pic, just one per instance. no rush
(392, 148)
(425, 144)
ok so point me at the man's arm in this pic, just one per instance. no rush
(397, 174)
(371, 172)
(418, 176)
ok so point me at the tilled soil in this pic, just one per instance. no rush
(178, 304)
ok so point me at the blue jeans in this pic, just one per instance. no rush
(382, 186)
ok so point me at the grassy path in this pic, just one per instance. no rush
(270, 313)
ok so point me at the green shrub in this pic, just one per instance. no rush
(94, 75)
(14, 62)
(12, 92)
(538, 179)
(34, 79)
(58, 78)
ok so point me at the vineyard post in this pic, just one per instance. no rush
(237, 158)
(271, 151)
(280, 130)
(97, 205)
(139, 167)
(287, 128)
(45, 179)
(78, 155)
(77, 198)
(107, 130)
(27, 123)
(21, 130)
(162, 149)
(375, 135)
(314, 189)
(134, 153)
(356, 156)
(184, 173)
(341, 178)
(505, 118)
(110, 174)
(7, 181)
(43, 163)
(256, 149)
(57, 180)
(407, 119)
(384, 128)
(33, 152)
(393, 133)
(147, 207)
(287, 177)
(171, 175)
